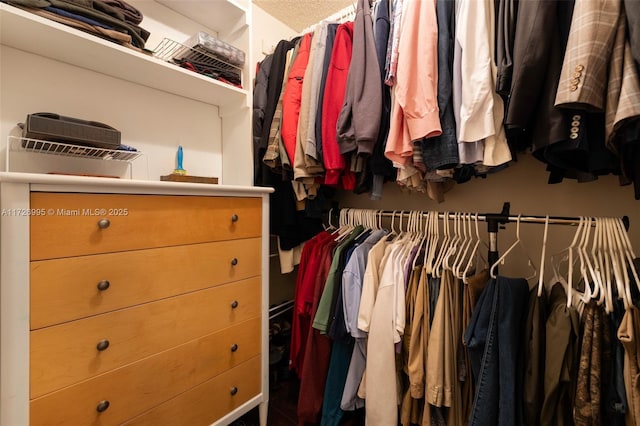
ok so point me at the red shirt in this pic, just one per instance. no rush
(303, 302)
(292, 97)
(317, 353)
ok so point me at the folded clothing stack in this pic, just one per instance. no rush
(113, 20)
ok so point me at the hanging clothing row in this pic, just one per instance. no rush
(411, 323)
(446, 90)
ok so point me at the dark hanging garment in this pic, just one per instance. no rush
(260, 100)
(561, 360)
(505, 36)
(533, 348)
(493, 343)
(569, 140)
(615, 404)
(535, 47)
(381, 167)
(629, 147)
(293, 226)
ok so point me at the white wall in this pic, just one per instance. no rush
(267, 32)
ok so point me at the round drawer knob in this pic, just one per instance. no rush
(234, 304)
(104, 223)
(102, 406)
(234, 218)
(234, 347)
(234, 261)
(103, 285)
(234, 390)
(102, 345)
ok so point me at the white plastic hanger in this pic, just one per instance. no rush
(542, 256)
(518, 242)
(614, 254)
(624, 287)
(424, 231)
(630, 255)
(468, 252)
(330, 226)
(465, 244)
(443, 247)
(342, 225)
(454, 244)
(558, 278)
(432, 242)
(578, 298)
(568, 257)
(598, 262)
(608, 264)
(585, 262)
(473, 252)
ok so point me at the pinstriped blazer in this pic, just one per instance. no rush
(583, 78)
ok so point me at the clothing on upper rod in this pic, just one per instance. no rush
(553, 99)
(331, 122)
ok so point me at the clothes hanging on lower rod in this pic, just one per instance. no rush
(377, 326)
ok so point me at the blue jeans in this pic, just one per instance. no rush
(493, 344)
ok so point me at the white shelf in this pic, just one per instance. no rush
(223, 16)
(31, 33)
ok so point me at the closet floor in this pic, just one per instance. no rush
(282, 408)
(284, 385)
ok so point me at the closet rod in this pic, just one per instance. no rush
(500, 217)
(276, 311)
(494, 220)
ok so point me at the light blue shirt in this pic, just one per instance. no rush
(352, 282)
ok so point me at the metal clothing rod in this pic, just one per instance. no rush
(280, 306)
(486, 217)
(280, 309)
(493, 220)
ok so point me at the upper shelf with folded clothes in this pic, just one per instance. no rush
(39, 35)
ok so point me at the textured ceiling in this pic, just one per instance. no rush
(300, 14)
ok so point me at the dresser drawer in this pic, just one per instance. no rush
(65, 354)
(140, 386)
(207, 402)
(67, 289)
(136, 222)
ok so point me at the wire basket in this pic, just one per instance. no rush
(70, 150)
(199, 60)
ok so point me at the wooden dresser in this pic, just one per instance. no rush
(136, 303)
